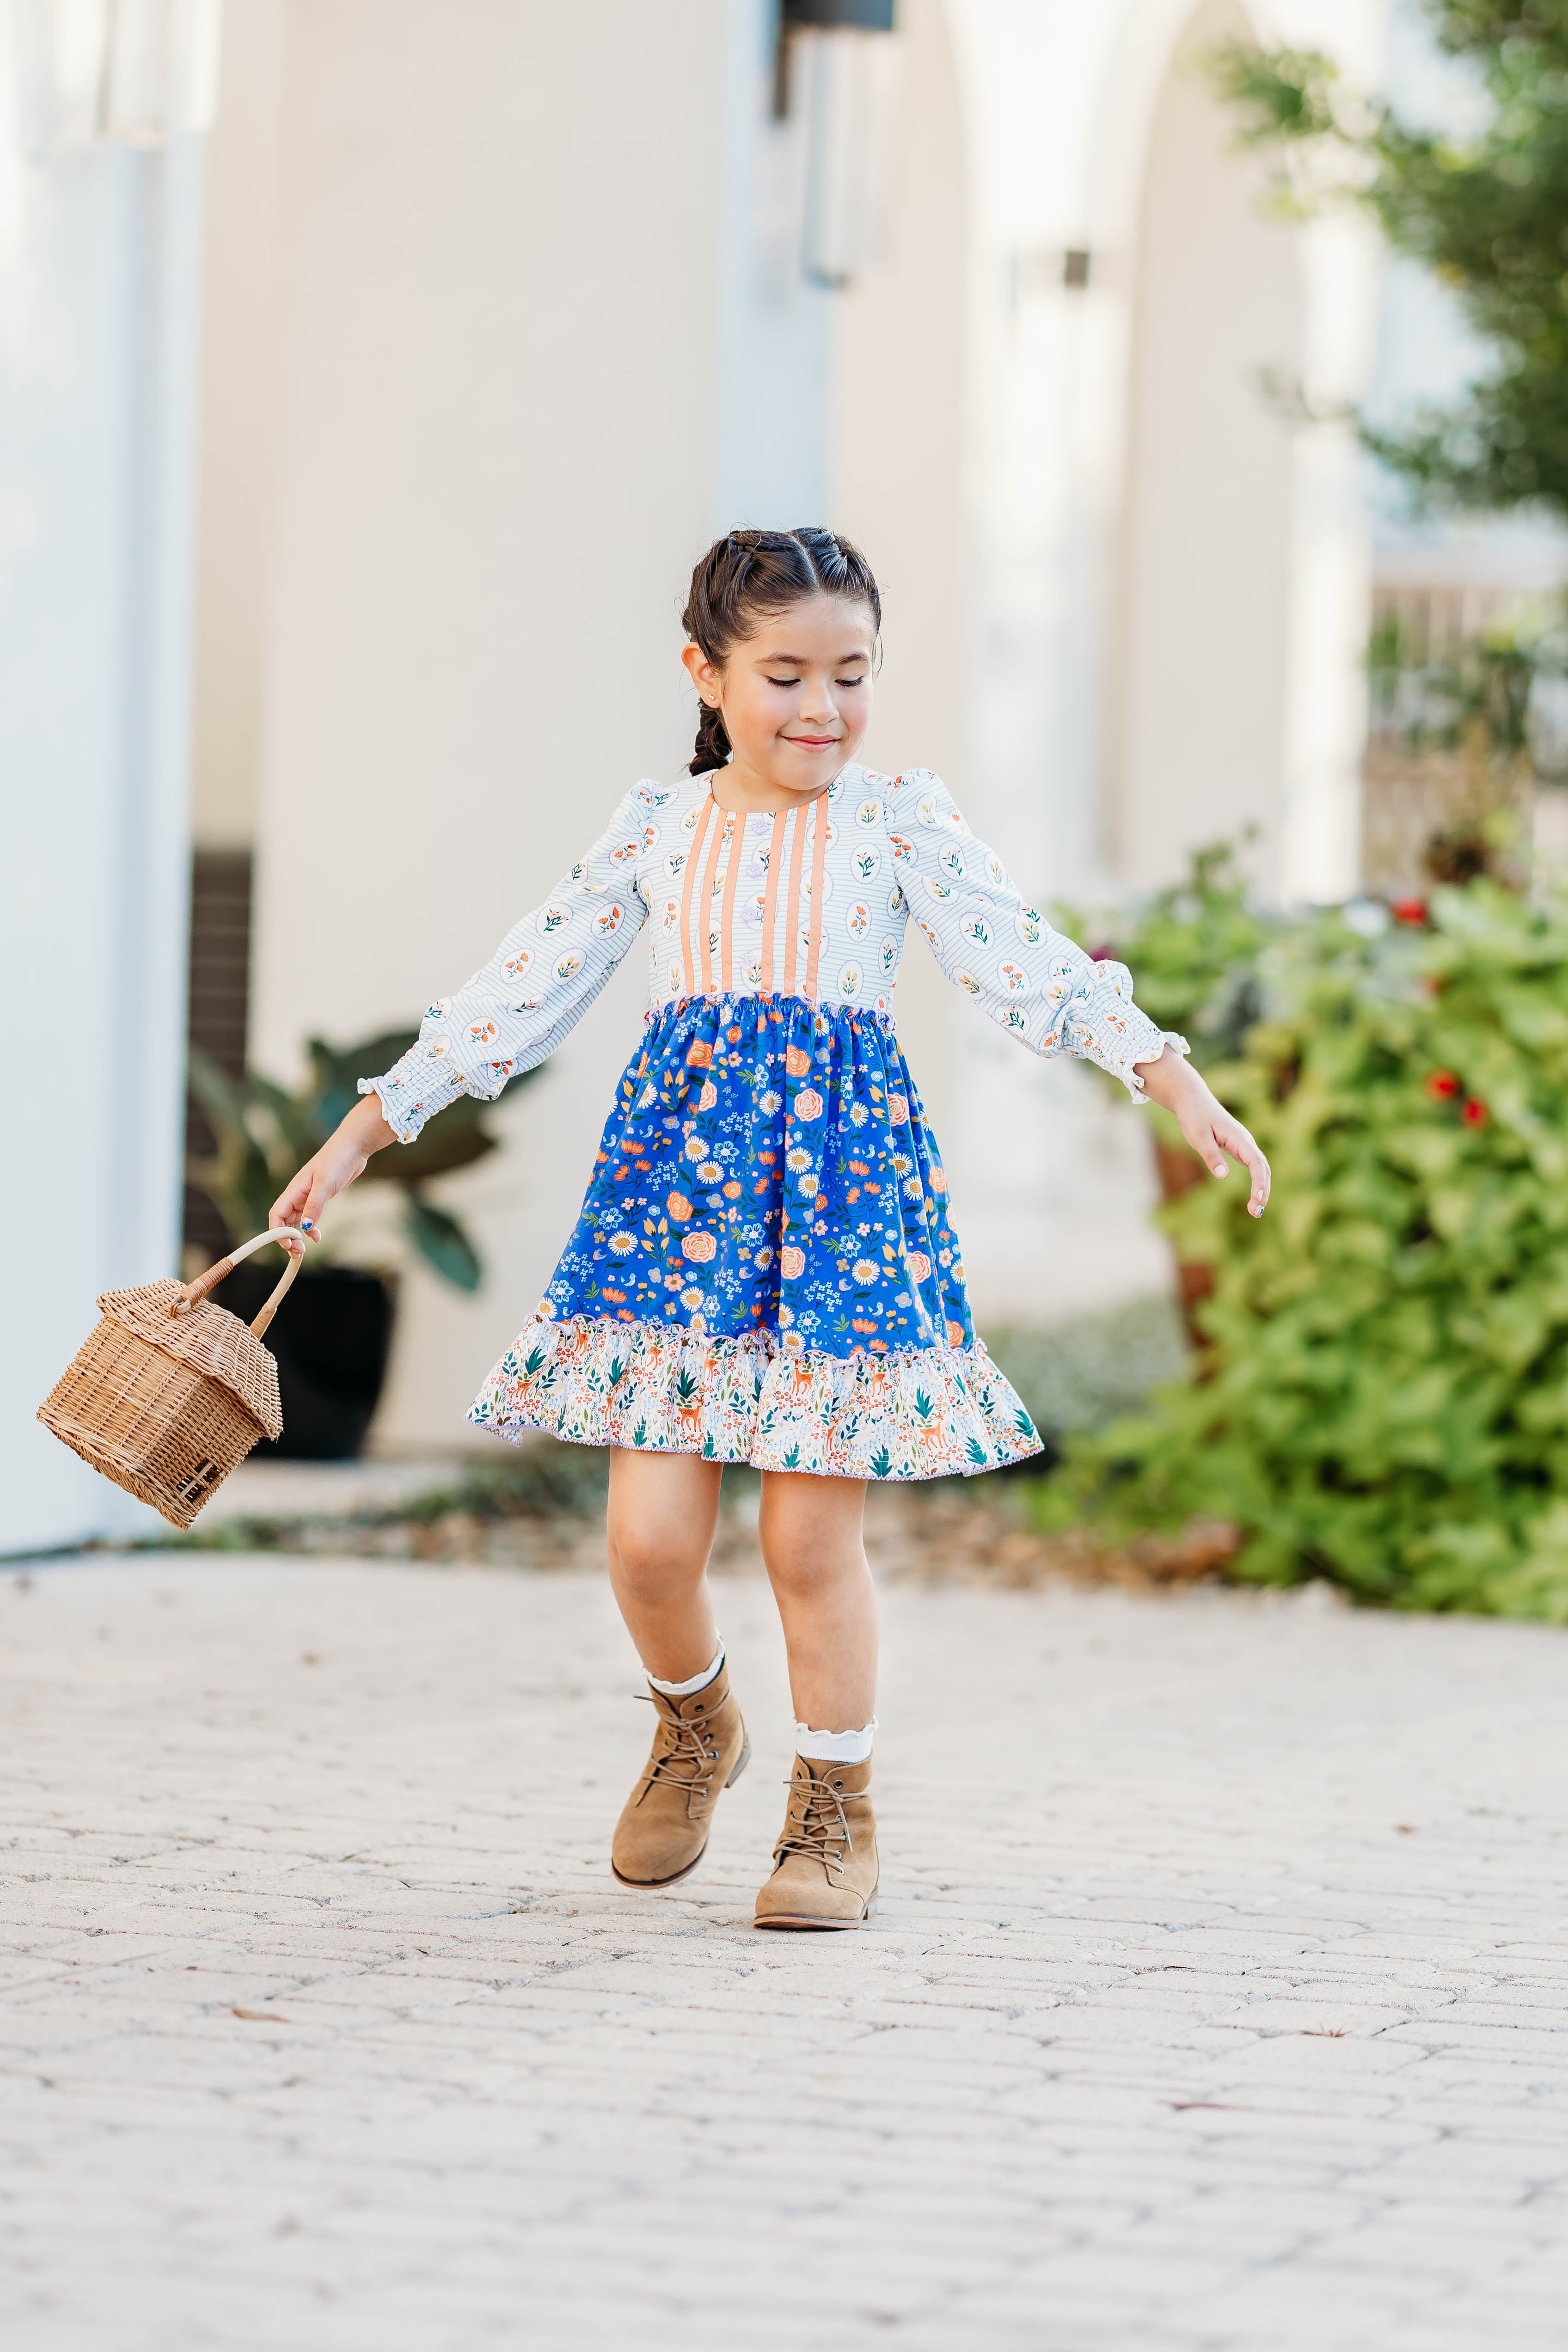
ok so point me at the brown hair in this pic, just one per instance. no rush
(750, 573)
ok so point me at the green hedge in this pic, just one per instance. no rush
(1385, 1400)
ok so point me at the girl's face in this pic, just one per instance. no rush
(795, 700)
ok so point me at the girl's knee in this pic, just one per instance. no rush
(799, 1568)
(810, 1529)
(651, 1561)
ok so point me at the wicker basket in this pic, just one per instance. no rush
(170, 1392)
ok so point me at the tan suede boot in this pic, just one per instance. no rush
(698, 1747)
(824, 1871)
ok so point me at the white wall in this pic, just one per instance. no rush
(98, 288)
(521, 376)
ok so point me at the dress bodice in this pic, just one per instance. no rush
(813, 902)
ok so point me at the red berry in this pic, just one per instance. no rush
(1442, 1085)
(1408, 911)
(1475, 1114)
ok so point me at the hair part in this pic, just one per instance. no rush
(749, 573)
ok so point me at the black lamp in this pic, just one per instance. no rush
(842, 59)
(870, 15)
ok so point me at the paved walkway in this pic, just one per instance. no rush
(1217, 2000)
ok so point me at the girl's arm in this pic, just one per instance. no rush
(341, 1158)
(511, 1014)
(1038, 984)
(1205, 1122)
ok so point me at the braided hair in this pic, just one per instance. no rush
(750, 573)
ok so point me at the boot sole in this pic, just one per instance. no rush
(807, 1919)
(649, 1885)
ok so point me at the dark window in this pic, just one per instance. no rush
(220, 1013)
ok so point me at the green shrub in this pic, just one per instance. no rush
(1386, 1400)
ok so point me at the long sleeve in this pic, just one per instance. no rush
(538, 984)
(1041, 987)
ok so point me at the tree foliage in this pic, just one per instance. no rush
(1485, 209)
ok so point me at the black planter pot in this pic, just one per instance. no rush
(331, 1337)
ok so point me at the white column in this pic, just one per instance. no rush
(98, 309)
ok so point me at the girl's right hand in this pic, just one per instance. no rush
(341, 1158)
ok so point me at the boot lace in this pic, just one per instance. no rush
(823, 1823)
(686, 1744)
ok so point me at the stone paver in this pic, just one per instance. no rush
(1217, 2003)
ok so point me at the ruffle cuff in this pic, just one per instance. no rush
(1130, 1077)
(423, 1082)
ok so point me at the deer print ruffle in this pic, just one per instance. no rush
(932, 1415)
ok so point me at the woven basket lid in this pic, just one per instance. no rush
(209, 1339)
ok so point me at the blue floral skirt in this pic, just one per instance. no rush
(765, 1269)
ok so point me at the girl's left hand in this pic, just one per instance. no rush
(1207, 1124)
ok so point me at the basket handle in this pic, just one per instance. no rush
(194, 1292)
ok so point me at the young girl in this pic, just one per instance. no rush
(765, 1269)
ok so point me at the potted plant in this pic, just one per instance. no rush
(332, 1335)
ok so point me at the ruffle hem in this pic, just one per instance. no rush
(928, 1412)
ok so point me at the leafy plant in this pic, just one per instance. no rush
(264, 1133)
(1192, 951)
(1385, 1397)
(1484, 210)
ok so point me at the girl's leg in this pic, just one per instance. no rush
(812, 1542)
(663, 1511)
(824, 1863)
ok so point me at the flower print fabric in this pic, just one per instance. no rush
(764, 1268)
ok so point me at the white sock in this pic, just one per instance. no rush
(835, 1746)
(696, 1683)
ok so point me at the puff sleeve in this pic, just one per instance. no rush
(538, 984)
(1033, 980)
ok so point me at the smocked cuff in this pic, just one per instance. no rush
(423, 1082)
(1160, 1040)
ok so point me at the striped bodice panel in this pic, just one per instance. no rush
(745, 904)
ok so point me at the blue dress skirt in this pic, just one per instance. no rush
(765, 1269)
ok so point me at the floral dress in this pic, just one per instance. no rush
(765, 1267)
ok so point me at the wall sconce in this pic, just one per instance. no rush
(119, 73)
(848, 65)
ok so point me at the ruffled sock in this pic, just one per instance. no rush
(835, 1746)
